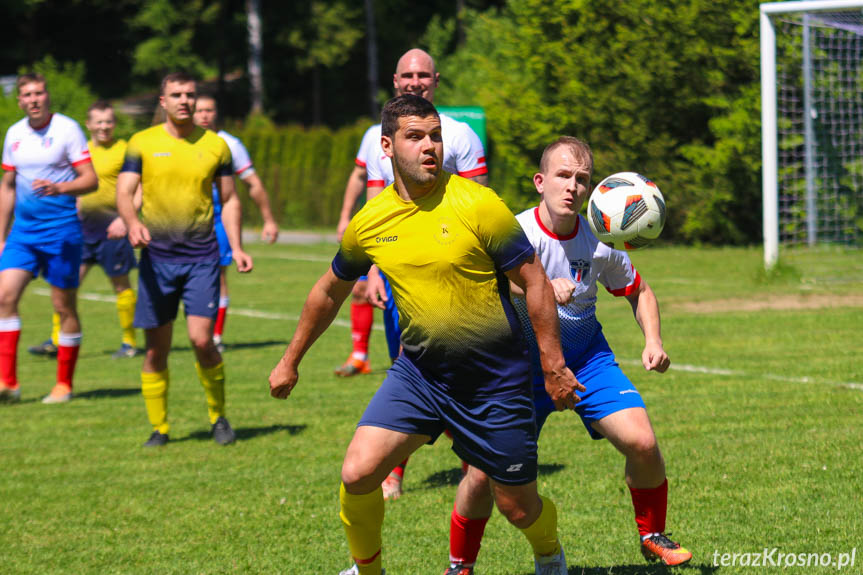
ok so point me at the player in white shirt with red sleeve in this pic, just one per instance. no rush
(46, 164)
(575, 262)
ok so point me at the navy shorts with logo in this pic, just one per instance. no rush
(497, 436)
(162, 285)
(117, 257)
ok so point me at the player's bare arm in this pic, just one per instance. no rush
(353, 190)
(85, 182)
(481, 179)
(7, 204)
(232, 217)
(270, 231)
(560, 383)
(321, 307)
(563, 288)
(127, 186)
(645, 307)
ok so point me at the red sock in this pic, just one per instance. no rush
(67, 357)
(362, 316)
(219, 328)
(400, 468)
(650, 507)
(10, 332)
(465, 538)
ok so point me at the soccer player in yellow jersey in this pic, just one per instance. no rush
(103, 230)
(448, 247)
(176, 164)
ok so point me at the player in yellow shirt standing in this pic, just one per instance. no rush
(103, 230)
(176, 164)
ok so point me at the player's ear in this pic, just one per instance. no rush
(387, 146)
(538, 179)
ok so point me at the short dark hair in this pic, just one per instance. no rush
(403, 106)
(579, 148)
(100, 105)
(180, 77)
(29, 78)
(208, 96)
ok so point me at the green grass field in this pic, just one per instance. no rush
(760, 420)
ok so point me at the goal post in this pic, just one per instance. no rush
(811, 145)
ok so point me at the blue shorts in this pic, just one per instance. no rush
(608, 388)
(117, 257)
(497, 436)
(161, 286)
(391, 323)
(59, 261)
(225, 252)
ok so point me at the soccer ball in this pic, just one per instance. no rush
(626, 211)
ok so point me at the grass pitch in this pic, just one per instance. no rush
(759, 420)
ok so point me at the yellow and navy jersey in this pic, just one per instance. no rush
(177, 176)
(445, 256)
(99, 209)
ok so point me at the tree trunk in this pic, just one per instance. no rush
(256, 82)
(372, 58)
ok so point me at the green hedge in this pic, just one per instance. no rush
(304, 171)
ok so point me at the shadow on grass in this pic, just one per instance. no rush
(453, 476)
(245, 433)
(239, 345)
(642, 569)
(102, 393)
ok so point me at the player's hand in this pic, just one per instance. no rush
(561, 386)
(139, 235)
(117, 229)
(46, 188)
(563, 288)
(376, 291)
(340, 229)
(283, 378)
(244, 261)
(654, 357)
(270, 233)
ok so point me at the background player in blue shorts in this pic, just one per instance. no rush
(176, 165)
(207, 117)
(611, 407)
(47, 164)
(445, 243)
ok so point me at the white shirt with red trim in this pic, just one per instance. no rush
(49, 153)
(370, 145)
(240, 159)
(462, 154)
(585, 260)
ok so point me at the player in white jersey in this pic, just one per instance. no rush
(47, 164)
(575, 261)
(463, 155)
(206, 116)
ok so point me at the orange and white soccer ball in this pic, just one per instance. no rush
(626, 211)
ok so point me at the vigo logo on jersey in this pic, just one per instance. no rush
(386, 239)
(578, 269)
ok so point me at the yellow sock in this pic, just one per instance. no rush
(363, 517)
(213, 380)
(154, 388)
(542, 534)
(126, 314)
(55, 328)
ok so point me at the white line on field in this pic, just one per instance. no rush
(342, 323)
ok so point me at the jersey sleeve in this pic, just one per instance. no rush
(366, 145)
(226, 165)
(470, 156)
(132, 161)
(351, 261)
(619, 276)
(241, 160)
(77, 151)
(8, 163)
(375, 177)
(500, 233)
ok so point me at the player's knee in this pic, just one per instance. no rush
(519, 509)
(357, 477)
(644, 448)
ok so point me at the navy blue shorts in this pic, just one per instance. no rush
(59, 261)
(117, 257)
(225, 252)
(497, 436)
(161, 286)
(608, 388)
